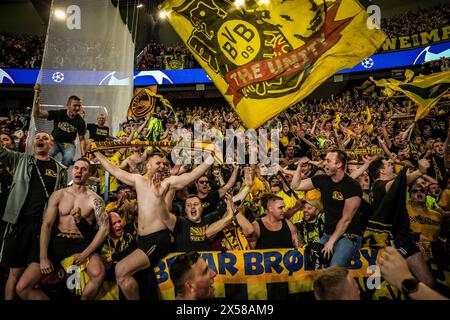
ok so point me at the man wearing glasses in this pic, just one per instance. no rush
(211, 199)
(425, 223)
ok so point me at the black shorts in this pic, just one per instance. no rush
(20, 245)
(406, 247)
(63, 245)
(155, 245)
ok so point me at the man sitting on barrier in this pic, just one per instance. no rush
(153, 241)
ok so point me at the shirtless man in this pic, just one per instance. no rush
(67, 240)
(153, 240)
(135, 163)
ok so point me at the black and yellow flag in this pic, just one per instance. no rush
(145, 101)
(366, 88)
(264, 58)
(173, 62)
(391, 218)
(423, 90)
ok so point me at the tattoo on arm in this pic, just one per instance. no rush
(100, 213)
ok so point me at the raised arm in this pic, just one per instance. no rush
(122, 175)
(10, 158)
(46, 229)
(299, 184)
(247, 227)
(168, 218)
(103, 222)
(179, 182)
(246, 186)
(230, 183)
(43, 114)
(213, 229)
(367, 161)
(424, 164)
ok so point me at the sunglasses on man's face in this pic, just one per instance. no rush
(203, 182)
(417, 190)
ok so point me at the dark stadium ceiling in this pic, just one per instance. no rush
(151, 6)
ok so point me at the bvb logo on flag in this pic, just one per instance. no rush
(144, 102)
(266, 57)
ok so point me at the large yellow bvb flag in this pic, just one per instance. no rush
(265, 58)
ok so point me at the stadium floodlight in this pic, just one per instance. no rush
(60, 14)
(263, 2)
(140, 5)
(163, 14)
(239, 3)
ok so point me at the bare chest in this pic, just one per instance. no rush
(71, 202)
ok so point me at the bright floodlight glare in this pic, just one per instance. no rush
(163, 14)
(261, 2)
(140, 5)
(239, 2)
(59, 14)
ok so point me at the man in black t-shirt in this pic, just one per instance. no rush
(381, 173)
(194, 232)
(98, 131)
(66, 125)
(211, 199)
(341, 198)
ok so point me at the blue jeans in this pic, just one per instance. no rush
(66, 149)
(343, 250)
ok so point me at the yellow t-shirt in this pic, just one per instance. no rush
(289, 202)
(427, 223)
(284, 141)
(121, 133)
(444, 200)
(113, 182)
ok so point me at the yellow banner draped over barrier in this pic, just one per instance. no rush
(256, 268)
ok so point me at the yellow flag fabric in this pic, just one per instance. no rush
(423, 90)
(264, 58)
(81, 277)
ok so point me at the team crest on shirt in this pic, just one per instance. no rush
(50, 173)
(198, 234)
(102, 132)
(338, 195)
(67, 127)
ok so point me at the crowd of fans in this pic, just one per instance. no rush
(21, 51)
(25, 51)
(158, 56)
(123, 209)
(15, 125)
(381, 128)
(413, 22)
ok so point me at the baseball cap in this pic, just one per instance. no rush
(315, 203)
